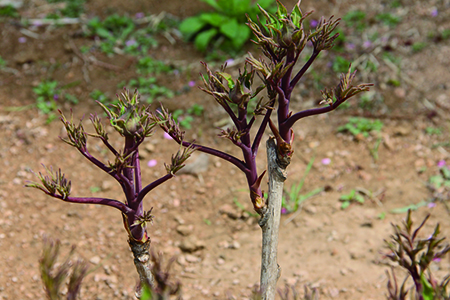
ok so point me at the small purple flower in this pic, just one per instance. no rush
(55, 97)
(350, 46)
(192, 83)
(229, 62)
(37, 23)
(284, 211)
(313, 23)
(167, 136)
(22, 40)
(437, 259)
(151, 163)
(139, 15)
(367, 44)
(130, 43)
(434, 12)
(431, 205)
(326, 161)
(441, 163)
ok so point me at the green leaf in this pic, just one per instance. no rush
(213, 3)
(202, 40)
(345, 204)
(359, 198)
(428, 291)
(242, 36)
(191, 26)
(445, 172)
(230, 29)
(214, 19)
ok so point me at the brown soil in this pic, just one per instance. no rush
(338, 251)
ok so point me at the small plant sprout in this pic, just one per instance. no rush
(415, 255)
(134, 123)
(282, 38)
(54, 274)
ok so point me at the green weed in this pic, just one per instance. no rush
(225, 26)
(292, 198)
(9, 11)
(148, 88)
(185, 119)
(120, 34)
(355, 19)
(418, 46)
(352, 197)
(98, 95)
(362, 126)
(388, 19)
(340, 64)
(433, 131)
(148, 65)
(72, 9)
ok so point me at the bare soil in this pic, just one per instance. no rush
(338, 251)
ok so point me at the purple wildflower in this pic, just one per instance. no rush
(350, 46)
(431, 205)
(55, 97)
(22, 40)
(192, 83)
(151, 163)
(229, 62)
(130, 43)
(434, 12)
(437, 259)
(367, 44)
(284, 210)
(326, 161)
(441, 163)
(313, 23)
(139, 15)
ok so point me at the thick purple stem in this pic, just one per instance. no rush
(151, 186)
(309, 112)
(225, 156)
(261, 129)
(303, 70)
(92, 200)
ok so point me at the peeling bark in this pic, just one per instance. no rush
(270, 222)
(141, 253)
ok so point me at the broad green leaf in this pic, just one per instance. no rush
(213, 3)
(202, 40)
(103, 33)
(242, 36)
(345, 204)
(214, 19)
(359, 198)
(192, 25)
(229, 29)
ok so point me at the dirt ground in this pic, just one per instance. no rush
(338, 251)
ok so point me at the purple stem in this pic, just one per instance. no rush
(225, 156)
(127, 171)
(287, 124)
(302, 71)
(151, 186)
(92, 200)
(261, 130)
(110, 147)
